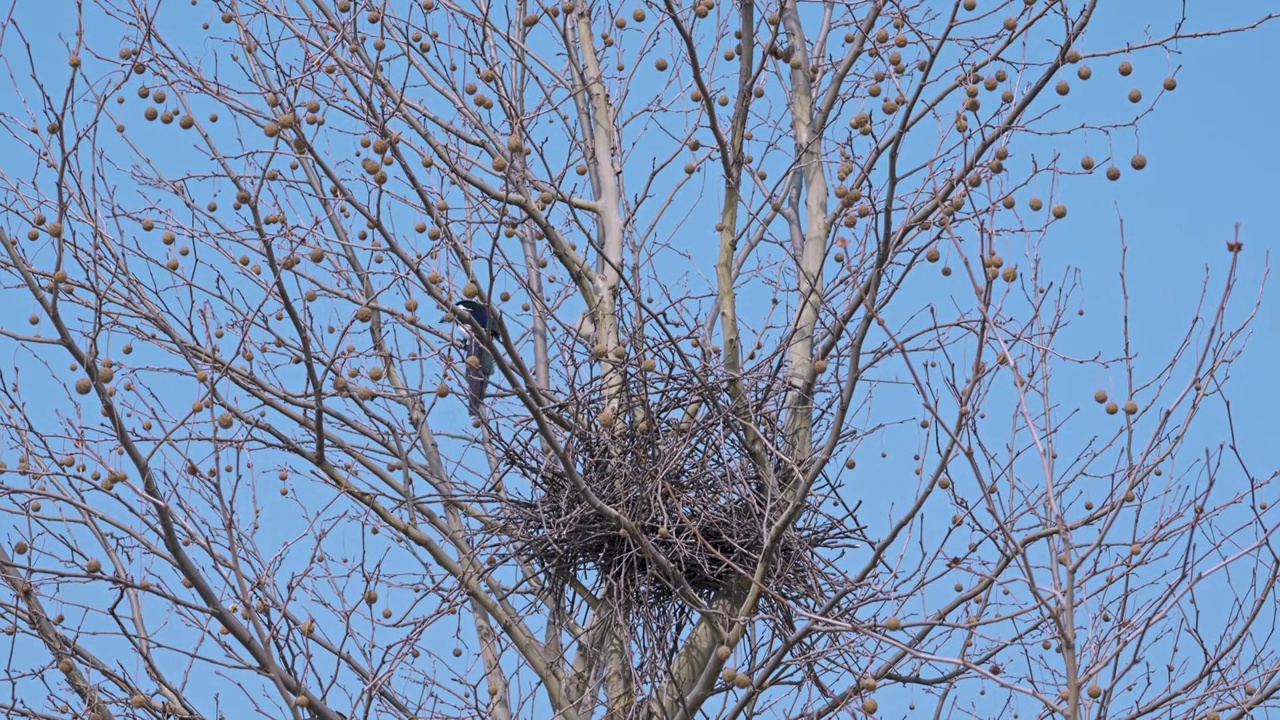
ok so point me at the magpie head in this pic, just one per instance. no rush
(479, 313)
(471, 306)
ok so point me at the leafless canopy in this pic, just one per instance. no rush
(787, 419)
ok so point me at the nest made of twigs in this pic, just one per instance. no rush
(701, 506)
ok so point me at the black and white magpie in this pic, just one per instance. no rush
(478, 375)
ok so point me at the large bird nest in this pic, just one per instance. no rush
(688, 486)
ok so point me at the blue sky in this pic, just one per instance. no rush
(1209, 145)
(1211, 156)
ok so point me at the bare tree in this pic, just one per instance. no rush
(726, 252)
